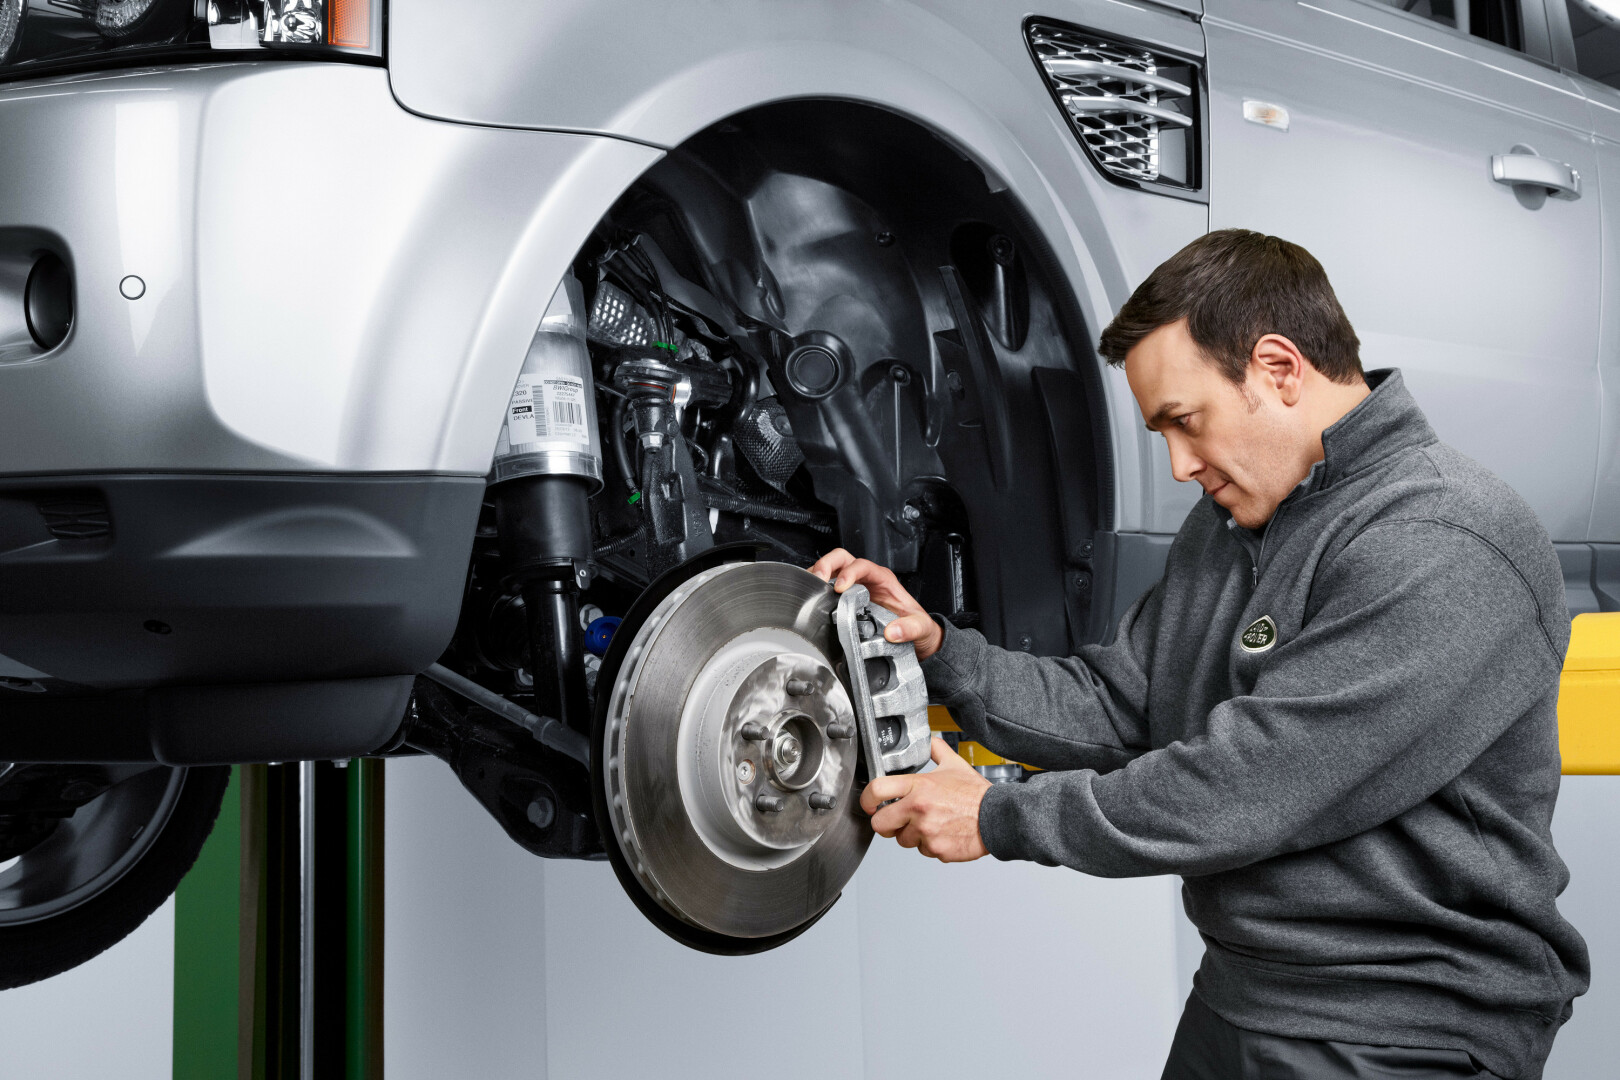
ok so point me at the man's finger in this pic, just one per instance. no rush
(827, 567)
(891, 819)
(909, 627)
(861, 570)
(883, 789)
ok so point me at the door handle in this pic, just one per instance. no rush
(1534, 170)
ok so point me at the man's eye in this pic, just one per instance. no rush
(1181, 421)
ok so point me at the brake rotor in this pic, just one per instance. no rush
(727, 757)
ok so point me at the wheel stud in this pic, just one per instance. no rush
(818, 801)
(840, 731)
(753, 732)
(768, 804)
(800, 687)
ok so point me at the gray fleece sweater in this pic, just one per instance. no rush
(1341, 732)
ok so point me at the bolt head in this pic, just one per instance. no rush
(788, 750)
(745, 772)
(541, 812)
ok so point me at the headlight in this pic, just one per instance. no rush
(37, 36)
(121, 18)
(10, 24)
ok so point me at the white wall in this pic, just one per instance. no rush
(1586, 829)
(500, 965)
(111, 1017)
(507, 967)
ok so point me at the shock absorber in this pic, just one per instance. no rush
(548, 463)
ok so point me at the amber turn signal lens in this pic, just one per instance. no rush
(349, 23)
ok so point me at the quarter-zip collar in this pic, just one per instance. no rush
(1383, 423)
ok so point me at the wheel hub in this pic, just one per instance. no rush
(729, 753)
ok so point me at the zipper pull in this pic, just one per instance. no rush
(1256, 575)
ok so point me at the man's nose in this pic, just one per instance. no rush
(1184, 464)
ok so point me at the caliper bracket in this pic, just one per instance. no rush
(885, 684)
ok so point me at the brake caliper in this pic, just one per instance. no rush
(886, 687)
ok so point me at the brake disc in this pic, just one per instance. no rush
(728, 756)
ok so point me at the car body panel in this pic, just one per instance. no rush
(1394, 121)
(1605, 105)
(660, 74)
(330, 282)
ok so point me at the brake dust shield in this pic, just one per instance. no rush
(727, 759)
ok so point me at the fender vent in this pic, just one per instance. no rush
(75, 517)
(1135, 110)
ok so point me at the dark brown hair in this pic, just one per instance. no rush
(1233, 287)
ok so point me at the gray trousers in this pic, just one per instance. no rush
(1206, 1047)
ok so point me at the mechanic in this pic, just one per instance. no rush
(1334, 716)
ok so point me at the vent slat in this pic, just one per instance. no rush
(1121, 104)
(1065, 68)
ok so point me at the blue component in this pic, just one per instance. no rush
(600, 633)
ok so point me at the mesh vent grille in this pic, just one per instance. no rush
(616, 319)
(1133, 109)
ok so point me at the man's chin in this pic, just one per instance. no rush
(1248, 517)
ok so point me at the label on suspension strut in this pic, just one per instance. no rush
(546, 408)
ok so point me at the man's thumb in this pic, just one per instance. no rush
(944, 756)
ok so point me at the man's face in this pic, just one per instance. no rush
(1239, 444)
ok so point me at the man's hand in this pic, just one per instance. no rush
(914, 624)
(936, 812)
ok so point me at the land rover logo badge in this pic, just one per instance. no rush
(1260, 635)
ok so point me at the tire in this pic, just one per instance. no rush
(38, 940)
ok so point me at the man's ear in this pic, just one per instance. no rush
(1278, 363)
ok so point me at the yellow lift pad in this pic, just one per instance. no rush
(940, 719)
(1589, 697)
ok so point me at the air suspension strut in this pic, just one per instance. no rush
(548, 463)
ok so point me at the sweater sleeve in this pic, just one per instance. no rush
(1085, 711)
(1427, 646)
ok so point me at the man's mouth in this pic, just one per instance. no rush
(1217, 489)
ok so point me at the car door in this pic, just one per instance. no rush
(1589, 45)
(1374, 136)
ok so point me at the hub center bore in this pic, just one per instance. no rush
(765, 751)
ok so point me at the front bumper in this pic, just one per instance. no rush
(269, 616)
(326, 281)
(285, 426)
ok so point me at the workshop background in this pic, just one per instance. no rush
(369, 918)
(500, 966)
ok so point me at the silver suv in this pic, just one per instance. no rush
(471, 379)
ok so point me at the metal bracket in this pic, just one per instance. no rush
(886, 686)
